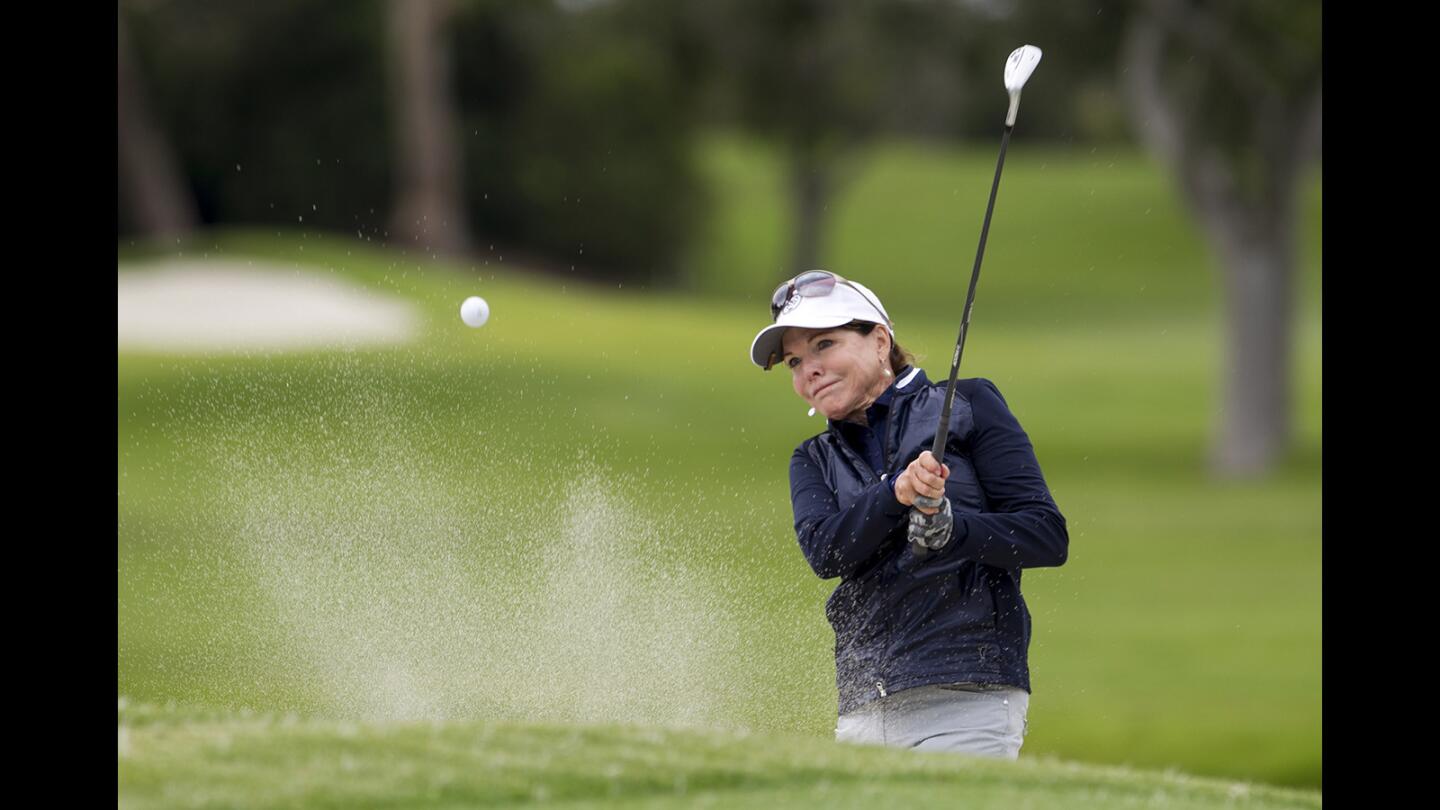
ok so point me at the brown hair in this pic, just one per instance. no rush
(899, 357)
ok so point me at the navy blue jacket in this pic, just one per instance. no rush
(957, 616)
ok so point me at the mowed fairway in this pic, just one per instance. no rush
(188, 759)
(580, 513)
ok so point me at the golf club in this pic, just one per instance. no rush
(1018, 67)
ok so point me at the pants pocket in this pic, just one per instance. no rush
(858, 728)
(1019, 703)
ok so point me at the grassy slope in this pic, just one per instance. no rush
(179, 759)
(1079, 238)
(1184, 599)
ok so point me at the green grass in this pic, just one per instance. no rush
(1091, 237)
(183, 759)
(579, 514)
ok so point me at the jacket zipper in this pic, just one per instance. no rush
(890, 429)
(885, 445)
(865, 471)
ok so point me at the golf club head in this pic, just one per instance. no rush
(1018, 67)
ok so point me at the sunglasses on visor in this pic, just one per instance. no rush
(813, 284)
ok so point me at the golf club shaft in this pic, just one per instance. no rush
(942, 431)
(938, 448)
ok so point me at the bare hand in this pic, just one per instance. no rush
(924, 477)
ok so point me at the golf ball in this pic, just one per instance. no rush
(474, 312)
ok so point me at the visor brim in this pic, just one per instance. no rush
(770, 340)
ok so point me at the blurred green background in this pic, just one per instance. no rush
(580, 512)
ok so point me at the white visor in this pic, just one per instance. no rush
(844, 304)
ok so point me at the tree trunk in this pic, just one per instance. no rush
(1252, 233)
(428, 210)
(1259, 294)
(151, 188)
(810, 188)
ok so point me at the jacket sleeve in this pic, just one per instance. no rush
(839, 542)
(1022, 527)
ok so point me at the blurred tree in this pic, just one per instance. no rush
(429, 209)
(1227, 93)
(153, 197)
(276, 108)
(821, 78)
(811, 76)
(573, 120)
(578, 124)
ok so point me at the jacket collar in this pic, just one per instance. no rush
(910, 380)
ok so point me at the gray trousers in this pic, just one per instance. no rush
(984, 720)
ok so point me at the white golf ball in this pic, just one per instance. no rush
(474, 312)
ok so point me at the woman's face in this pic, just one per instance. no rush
(838, 371)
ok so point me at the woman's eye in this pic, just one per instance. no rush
(792, 361)
(822, 344)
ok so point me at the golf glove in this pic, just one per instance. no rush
(931, 531)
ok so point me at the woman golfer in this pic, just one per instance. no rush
(930, 643)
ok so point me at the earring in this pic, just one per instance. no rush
(887, 372)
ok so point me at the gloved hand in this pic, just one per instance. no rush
(931, 531)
